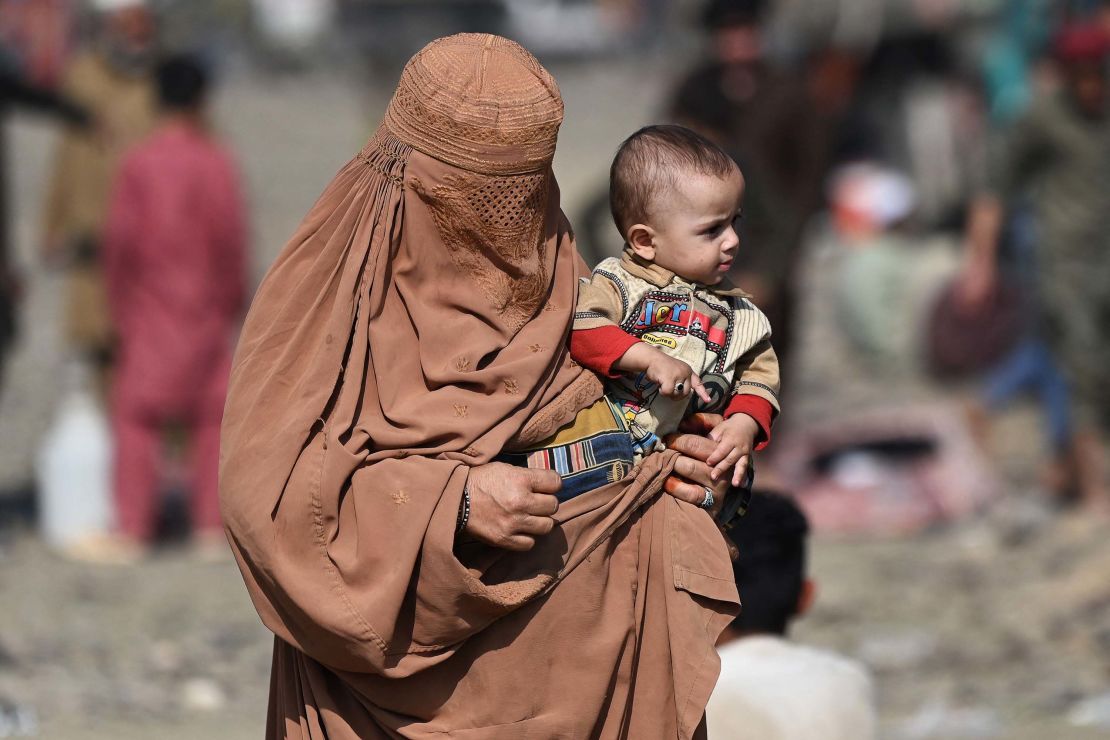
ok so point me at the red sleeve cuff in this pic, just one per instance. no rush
(599, 348)
(759, 409)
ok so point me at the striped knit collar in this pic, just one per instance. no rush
(661, 277)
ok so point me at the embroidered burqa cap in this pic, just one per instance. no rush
(413, 327)
(479, 102)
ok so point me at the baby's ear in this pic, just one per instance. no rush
(641, 238)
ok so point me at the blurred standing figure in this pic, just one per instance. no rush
(760, 114)
(175, 268)
(18, 92)
(771, 688)
(112, 80)
(1059, 152)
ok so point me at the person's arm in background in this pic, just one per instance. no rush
(14, 90)
(1017, 157)
(984, 229)
(58, 205)
(229, 223)
(121, 229)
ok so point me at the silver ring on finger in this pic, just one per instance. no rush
(679, 387)
(709, 500)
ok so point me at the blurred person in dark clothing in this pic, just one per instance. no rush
(1059, 152)
(760, 113)
(771, 688)
(175, 268)
(112, 80)
(17, 93)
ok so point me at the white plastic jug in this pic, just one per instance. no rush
(294, 24)
(74, 468)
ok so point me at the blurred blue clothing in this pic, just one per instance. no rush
(1030, 366)
(1022, 32)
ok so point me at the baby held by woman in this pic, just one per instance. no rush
(662, 323)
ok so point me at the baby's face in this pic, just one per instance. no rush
(695, 231)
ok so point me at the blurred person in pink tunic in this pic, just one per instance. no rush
(175, 263)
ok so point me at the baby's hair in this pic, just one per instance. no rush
(651, 161)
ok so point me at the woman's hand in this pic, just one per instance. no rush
(511, 506)
(692, 475)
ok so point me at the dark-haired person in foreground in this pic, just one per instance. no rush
(174, 260)
(771, 688)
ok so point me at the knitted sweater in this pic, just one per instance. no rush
(716, 330)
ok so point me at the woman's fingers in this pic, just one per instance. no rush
(536, 525)
(691, 474)
(510, 506)
(700, 474)
(543, 481)
(694, 494)
(700, 423)
(684, 491)
(540, 504)
(518, 543)
(692, 445)
(693, 470)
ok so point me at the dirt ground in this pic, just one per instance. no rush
(992, 629)
(996, 628)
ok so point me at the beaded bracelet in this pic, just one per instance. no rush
(464, 509)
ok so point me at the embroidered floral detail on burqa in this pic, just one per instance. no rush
(494, 231)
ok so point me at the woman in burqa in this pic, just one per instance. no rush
(413, 329)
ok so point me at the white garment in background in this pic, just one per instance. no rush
(772, 689)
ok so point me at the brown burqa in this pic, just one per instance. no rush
(416, 326)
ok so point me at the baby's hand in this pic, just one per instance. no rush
(674, 377)
(735, 437)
